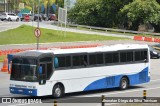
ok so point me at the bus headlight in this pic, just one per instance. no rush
(12, 89)
(30, 91)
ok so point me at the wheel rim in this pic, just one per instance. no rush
(58, 92)
(124, 84)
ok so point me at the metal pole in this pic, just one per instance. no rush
(14, 7)
(38, 14)
(38, 26)
(32, 15)
(5, 5)
(102, 98)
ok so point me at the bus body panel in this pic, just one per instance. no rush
(96, 79)
(78, 79)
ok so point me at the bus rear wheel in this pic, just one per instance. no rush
(124, 83)
(58, 91)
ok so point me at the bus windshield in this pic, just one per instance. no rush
(24, 69)
(24, 72)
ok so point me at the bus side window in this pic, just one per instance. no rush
(56, 65)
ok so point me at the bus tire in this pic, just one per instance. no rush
(124, 83)
(58, 91)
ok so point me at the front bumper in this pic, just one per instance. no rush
(23, 91)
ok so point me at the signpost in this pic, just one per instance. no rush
(62, 17)
(37, 33)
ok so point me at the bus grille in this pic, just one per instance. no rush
(142, 76)
(110, 81)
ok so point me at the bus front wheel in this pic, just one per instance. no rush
(124, 83)
(58, 91)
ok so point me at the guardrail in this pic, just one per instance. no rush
(112, 30)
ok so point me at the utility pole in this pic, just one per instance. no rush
(38, 13)
(14, 6)
(38, 24)
(4, 5)
(32, 14)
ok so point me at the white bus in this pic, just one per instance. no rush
(60, 71)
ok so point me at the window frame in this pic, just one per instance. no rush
(46, 68)
(104, 61)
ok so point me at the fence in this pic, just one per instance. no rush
(112, 30)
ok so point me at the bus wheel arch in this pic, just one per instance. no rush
(124, 83)
(58, 90)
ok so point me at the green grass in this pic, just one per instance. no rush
(24, 34)
(2, 57)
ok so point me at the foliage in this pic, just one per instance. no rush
(127, 14)
(48, 2)
(97, 12)
(85, 12)
(60, 3)
(145, 11)
(110, 15)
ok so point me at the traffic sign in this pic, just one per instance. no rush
(37, 32)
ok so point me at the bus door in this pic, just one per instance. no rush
(45, 69)
(42, 73)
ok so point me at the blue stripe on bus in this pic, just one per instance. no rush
(24, 91)
(114, 81)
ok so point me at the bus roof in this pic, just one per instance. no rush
(33, 53)
(37, 53)
(101, 48)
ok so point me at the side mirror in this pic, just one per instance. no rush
(42, 82)
(145, 60)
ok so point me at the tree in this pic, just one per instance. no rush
(109, 13)
(142, 12)
(60, 3)
(2, 8)
(103, 13)
(85, 12)
(48, 4)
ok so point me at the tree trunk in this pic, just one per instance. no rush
(156, 27)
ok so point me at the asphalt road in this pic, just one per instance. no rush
(5, 25)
